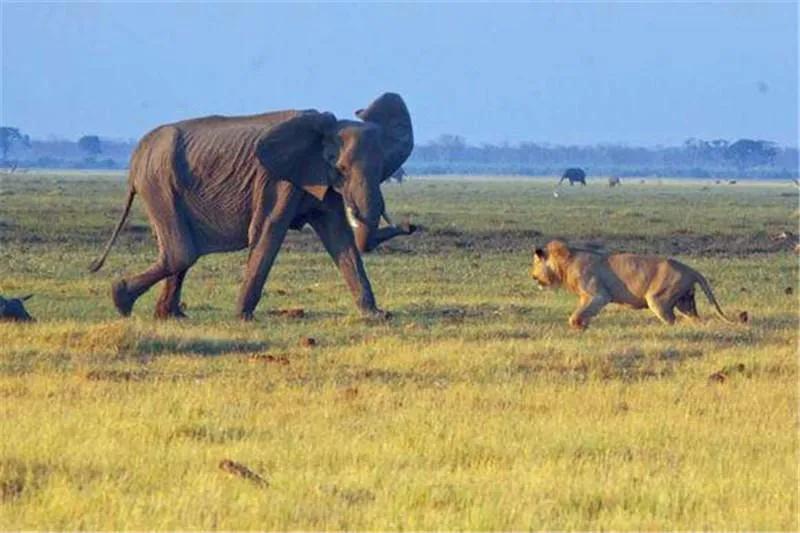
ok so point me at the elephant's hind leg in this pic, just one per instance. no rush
(169, 302)
(177, 254)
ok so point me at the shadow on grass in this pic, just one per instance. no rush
(201, 347)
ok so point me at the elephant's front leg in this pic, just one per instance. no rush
(267, 234)
(337, 237)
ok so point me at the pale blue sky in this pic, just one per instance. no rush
(560, 73)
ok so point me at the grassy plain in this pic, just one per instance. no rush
(474, 408)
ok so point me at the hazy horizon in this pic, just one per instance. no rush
(562, 74)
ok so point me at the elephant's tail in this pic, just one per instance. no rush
(98, 263)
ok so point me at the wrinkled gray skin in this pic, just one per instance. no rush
(12, 309)
(574, 175)
(217, 184)
(613, 181)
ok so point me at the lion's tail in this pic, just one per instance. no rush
(703, 282)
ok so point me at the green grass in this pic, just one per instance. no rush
(474, 408)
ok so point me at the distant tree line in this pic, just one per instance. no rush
(695, 157)
(452, 154)
(19, 151)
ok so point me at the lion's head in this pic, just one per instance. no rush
(548, 263)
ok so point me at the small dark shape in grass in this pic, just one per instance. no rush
(13, 310)
(718, 377)
(240, 470)
(295, 312)
(744, 317)
(743, 289)
(281, 292)
(350, 393)
(11, 489)
(788, 290)
(308, 342)
(269, 359)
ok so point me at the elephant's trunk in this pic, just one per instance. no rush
(364, 232)
(364, 211)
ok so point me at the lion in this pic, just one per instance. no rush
(638, 281)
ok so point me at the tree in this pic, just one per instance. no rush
(9, 136)
(747, 153)
(90, 144)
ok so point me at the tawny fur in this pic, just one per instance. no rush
(662, 285)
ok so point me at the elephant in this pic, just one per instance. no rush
(224, 183)
(399, 175)
(12, 309)
(574, 175)
(613, 181)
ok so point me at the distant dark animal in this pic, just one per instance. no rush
(218, 184)
(732, 182)
(399, 175)
(13, 310)
(613, 181)
(574, 175)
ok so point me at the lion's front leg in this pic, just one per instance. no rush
(590, 305)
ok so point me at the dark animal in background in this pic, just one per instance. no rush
(217, 184)
(13, 310)
(613, 181)
(574, 175)
(399, 175)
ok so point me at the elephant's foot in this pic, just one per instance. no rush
(408, 228)
(246, 316)
(164, 312)
(122, 298)
(375, 314)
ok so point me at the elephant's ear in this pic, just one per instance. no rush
(389, 112)
(293, 151)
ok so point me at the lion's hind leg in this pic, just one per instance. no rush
(662, 309)
(687, 307)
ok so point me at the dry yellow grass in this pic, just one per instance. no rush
(474, 408)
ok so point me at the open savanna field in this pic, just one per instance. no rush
(475, 407)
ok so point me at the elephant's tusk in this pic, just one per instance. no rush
(351, 219)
